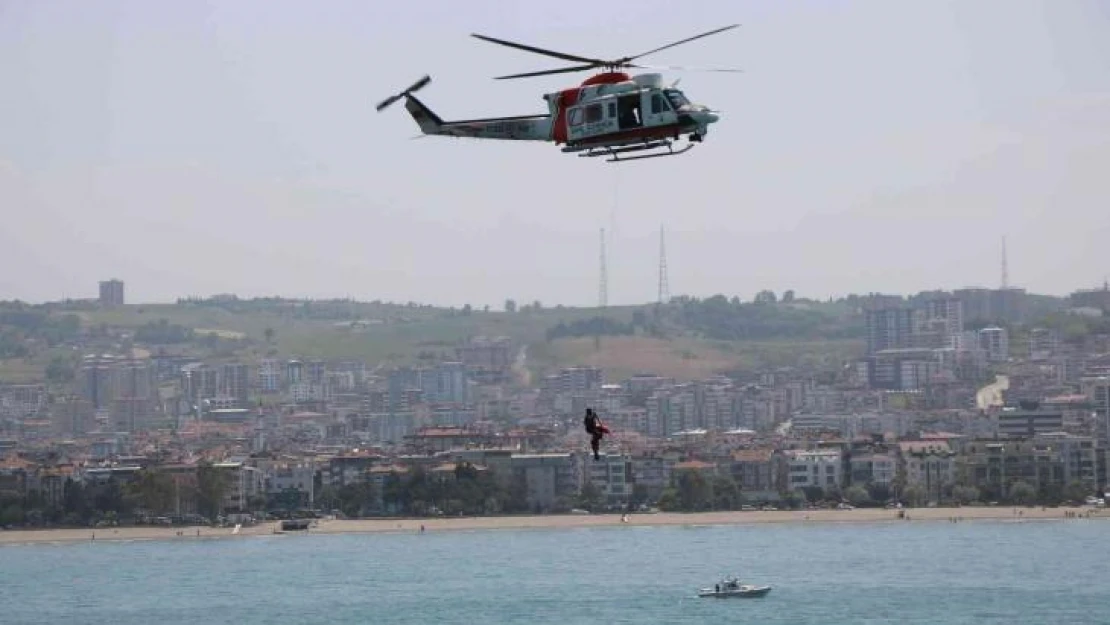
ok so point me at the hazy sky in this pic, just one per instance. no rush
(232, 146)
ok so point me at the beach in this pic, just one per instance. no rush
(569, 521)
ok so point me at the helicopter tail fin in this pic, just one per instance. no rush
(429, 122)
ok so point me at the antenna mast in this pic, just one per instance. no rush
(603, 287)
(664, 288)
(1005, 276)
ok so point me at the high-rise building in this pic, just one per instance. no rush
(235, 381)
(199, 382)
(269, 376)
(451, 383)
(111, 292)
(99, 380)
(947, 311)
(889, 328)
(73, 415)
(1093, 298)
(137, 379)
(294, 371)
(1043, 343)
(992, 305)
(996, 342)
(489, 360)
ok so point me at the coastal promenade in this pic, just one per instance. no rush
(568, 521)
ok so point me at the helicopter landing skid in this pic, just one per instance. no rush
(670, 152)
(615, 152)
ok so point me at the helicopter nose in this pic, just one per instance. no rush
(705, 116)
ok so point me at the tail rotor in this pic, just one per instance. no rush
(416, 86)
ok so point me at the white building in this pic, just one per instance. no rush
(299, 476)
(243, 483)
(612, 475)
(269, 376)
(996, 342)
(813, 468)
(1097, 389)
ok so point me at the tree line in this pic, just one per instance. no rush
(696, 492)
(594, 326)
(23, 324)
(151, 493)
(162, 332)
(469, 491)
(724, 319)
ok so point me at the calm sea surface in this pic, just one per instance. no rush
(908, 572)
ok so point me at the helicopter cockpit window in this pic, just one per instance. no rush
(593, 113)
(676, 97)
(658, 104)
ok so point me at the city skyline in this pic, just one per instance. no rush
(497, 306)
(219, 150)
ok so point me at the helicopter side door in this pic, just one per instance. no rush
(657, 110)
(630, 111)
(590, 119)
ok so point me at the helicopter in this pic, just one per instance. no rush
(611, 113)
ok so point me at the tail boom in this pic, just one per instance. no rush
(517, 128)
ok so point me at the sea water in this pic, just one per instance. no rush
(899, 572)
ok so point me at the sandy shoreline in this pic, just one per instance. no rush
(867, 515)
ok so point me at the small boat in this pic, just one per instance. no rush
(295, 525)
(731, 587)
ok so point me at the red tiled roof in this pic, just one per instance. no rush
(752, 455)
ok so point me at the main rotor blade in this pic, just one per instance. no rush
(521, 46)
(564, 70)
(671, 45)
(679, 68)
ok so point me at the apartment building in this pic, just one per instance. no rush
(549, 478)
(928, 465)
(812, 469)
(1044, 461)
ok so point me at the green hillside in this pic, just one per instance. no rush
(688, 338)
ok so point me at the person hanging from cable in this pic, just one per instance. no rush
(596, 429)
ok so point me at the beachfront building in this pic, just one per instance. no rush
(928, 466)
(820, 468)
(652, 473)
(244, 483)
(1028, 420)
(753, 471)
(293, 483)
(1048, 462)
(613, 476)
(869, 468)
(549, 478)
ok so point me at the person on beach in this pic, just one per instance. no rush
(596, 430)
